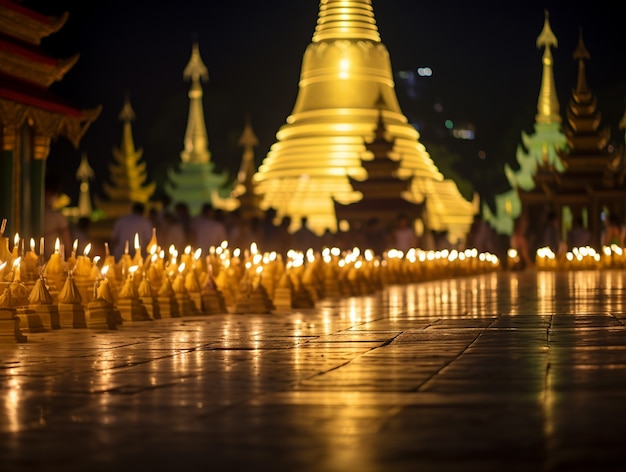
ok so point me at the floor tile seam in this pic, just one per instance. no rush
(448, 362)
(318, 374)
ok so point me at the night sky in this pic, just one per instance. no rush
(486, 66)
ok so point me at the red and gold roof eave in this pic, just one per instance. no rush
(27, 62)
(28, 25)
(20, 101)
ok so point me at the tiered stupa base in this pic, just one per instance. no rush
(49, 315)
(72, 315)
(132, 309)
(168, 307)
(257, 301)
(186, 305)
(283, 299)
(213, 302)
(101, 315)
(152, 307)
(30, 321)
(10, 331)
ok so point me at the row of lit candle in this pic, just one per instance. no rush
(578, 258)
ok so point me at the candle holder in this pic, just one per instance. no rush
(70, 306)
(10, 323)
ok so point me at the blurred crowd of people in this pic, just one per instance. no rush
(174, 225)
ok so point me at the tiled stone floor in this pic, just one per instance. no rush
(499, 372)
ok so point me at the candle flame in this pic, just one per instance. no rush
(105, 270)
(16, 262)
(32, 244)
(87, 249)
(137, 246)
(188, 250)
(57, 245)
(75, 245)
(96, 259)
(132, 269)
(181, 267)
(16, 239)
(197, 254)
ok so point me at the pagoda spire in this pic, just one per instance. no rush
(195, 181)
(581, 55)
(346, 90)
(538, 154)
(346, 19)
(548, 103)
(84, 174)
(128, 171)
(243, 196)
(196, 138)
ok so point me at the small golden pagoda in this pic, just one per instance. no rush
(30, 115)
(84, 174)
(346, 72)
(243, 197)
(127, 172)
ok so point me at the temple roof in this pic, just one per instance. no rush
(26, 24)
(26, 72)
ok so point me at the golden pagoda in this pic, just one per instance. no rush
(127, 172)
(243, 197)
(591, 181)
(346, 84)
(538, 155)
(195, 181)
(30, 115)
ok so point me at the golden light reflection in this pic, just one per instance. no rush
(546, 294)
(11, 397)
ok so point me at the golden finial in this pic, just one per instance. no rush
(546, 37)
(195, 68)
(127, 113)
(581, 51)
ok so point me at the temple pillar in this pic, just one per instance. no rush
(7, 178)
(41, 149)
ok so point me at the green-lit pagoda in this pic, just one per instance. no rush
(195, 181)
(539, 153)
(589, 184)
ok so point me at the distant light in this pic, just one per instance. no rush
(482, 155)
(403, 74)
(449, 124)
(463, 133)
(424, 71)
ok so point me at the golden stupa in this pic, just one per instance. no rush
(128, 172)
(346, 86)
